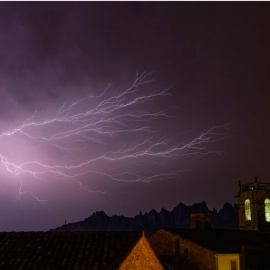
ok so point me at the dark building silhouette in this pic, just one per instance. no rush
(200, 221)
(215, 249)
(254, 206)
(223, 249)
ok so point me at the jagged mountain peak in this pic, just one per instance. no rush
(179, 217)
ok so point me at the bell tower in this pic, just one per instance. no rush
(254, 206)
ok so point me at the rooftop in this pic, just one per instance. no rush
(253, 186)
(65, 250)
(223, 241)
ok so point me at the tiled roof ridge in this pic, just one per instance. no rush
(128, 251)
(82, 249)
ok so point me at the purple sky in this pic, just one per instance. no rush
(123, 107)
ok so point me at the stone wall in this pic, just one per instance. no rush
(142, 256)
(202, 257)
(162, 242)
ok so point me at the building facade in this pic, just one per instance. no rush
(205, 249)
(216, 249)
(254, 206)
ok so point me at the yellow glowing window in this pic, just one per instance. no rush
(267, 210)
(247, 209)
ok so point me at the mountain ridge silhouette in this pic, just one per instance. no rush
(179, 217)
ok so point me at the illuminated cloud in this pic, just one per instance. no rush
(107, 136)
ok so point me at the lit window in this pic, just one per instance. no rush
(267, 210)
(247, 210)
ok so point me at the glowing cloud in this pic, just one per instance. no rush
(109, 135)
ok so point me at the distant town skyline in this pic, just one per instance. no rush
(129, 106)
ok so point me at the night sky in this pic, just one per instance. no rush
(128, 106)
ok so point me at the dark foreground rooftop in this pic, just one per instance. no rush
(223, 241)
(65, 250)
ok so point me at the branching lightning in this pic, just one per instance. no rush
(109, 135)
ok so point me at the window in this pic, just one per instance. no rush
(177, 245)
(247, 209)
(267, 210)
(233, 265)
(186, 252)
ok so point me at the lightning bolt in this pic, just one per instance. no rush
(109, 135)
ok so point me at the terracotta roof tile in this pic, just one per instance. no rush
(65, 250)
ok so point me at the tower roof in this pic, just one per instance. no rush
(254, 186)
